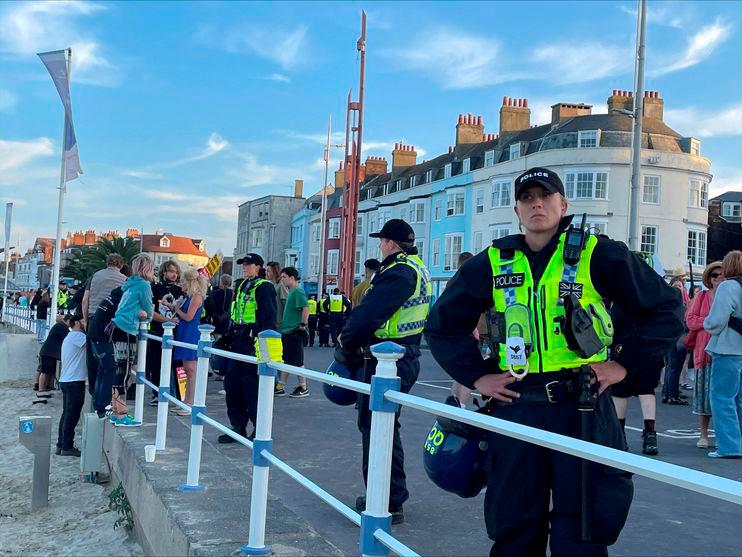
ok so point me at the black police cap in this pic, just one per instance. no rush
(541, 177)
(396, 230)
(251, 258)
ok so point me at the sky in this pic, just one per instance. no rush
(184, 110)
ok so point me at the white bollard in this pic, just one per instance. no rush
(199, 405)
(378, 482)
(271, 349)
(141, 366)
(166, 362)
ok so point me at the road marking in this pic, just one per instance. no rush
(433, 386)
(438, 381)
(677, 433)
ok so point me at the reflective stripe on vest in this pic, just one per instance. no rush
(245, 307)
(513, 284)
(409, 319)
(312, 307)
(62, 298)
(336, 303)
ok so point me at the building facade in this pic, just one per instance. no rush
(190, 253)
(725, 225)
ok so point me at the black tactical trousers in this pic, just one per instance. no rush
(241, 385)
(524, 478)
(408, 369)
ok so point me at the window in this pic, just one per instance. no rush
(489, 158)
(314, 264)
(498, 231)
(332, 261)
(596, 226)
(384, 216)
(695, 147)
(257, 237)
(358, 265)
(437, 209)
(455, 204)
(413, 181)
(651, 191)
(587, 139)
(359, 225)
(447, 171)
(586, 185)
(453, 250)
(372, 225)
(315, 231)
(404, 214)
(500, 194)
(334, 232)
(477, 243)
(164, 242)
(649, 239)
(732, 210)
(466, 166)
(697, 247)
(420, 245)
(515, 151)
(417, 211)
(698, 193)
(429, 176)
(436, 252)
(479, 201)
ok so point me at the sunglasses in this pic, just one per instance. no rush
(715, 275)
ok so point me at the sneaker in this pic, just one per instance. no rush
(222, 392)
(70, 452)
(279, 389)
(649, 442)
(397, 514)
(154, 402)
(702, 443)
(126, 421)
(300, 392)
(183, 412)
(717, 454)
(686, 387)
(224, 438)
(675, 401)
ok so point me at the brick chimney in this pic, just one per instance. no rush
(403, 157)
(376, 166)
(654, 106)
(514, 115)
(78, 239)
(469, 129)
(622, 100)
(562, 111)
(132, 233)
(340, 177)
(89, 237)
(298, 188)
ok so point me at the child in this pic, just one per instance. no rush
(72, 382)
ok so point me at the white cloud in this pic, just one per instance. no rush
(16, 154)
(278, 77)
(223, 207)
(30, 27)
(7, 101)
(571, 62)
(700, 47)
(288, 48)
(725, 179)
(706, 123)
(214, 144)
(667, 15)
(142, 174)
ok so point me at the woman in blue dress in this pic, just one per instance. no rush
(194, 287)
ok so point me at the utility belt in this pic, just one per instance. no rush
(573, 386)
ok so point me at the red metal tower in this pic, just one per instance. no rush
(353, 141)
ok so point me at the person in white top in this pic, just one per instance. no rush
(72, 382)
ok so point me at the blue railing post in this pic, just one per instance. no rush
(269, 350)
(199, 405)
(376, 516)
(141, 366)
(164, 388)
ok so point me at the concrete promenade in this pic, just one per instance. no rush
(321, 441)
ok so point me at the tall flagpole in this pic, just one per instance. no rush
(8, 216)
(60, 211)
(321, 274)
(636, 140)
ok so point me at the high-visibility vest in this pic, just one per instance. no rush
(62, 298)
(409, 319)
(245, 307)
(312, 307)
(513, 286)
(336, 303)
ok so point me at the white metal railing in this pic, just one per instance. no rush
(375, 521)
(23, 317)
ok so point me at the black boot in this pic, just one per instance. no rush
(649, 442)
(397, 514)
(224, 438)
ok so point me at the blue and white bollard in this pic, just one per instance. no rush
(166, 363)
(141, 366)
(378, 483)
(199, 405)
(270, 349)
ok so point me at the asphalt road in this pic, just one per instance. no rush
(321, 441)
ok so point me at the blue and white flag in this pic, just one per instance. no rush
(56, 63)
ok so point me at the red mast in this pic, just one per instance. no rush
(353, 141)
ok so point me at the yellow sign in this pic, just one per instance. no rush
(213, 265)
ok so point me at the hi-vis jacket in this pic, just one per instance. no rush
(607, 272)
(255, 304)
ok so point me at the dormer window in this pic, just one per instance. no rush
(695, 147)
(466, 166)
(447, 171)
(489, 158)
(515, 151)
(164, 242)
(731, 210)
(587, 138)
(429, 176)
(413, 181)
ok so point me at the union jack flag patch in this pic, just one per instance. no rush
(567, 288)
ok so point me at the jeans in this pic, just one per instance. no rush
(40, 329)
(103, 351)
(73, 393)
(673, 369)
(726, 403)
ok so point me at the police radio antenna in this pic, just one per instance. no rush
(583, 221)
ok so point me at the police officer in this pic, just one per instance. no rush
(322, 322)
(63, 297)
(394, 308)
(312, 320)
(337, 307)
(547, 289)
(253, 311)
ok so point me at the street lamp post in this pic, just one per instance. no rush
(638, 114)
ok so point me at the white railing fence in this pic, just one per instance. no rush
(384, 399)
(23, 317)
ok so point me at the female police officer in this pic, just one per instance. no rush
(548, 289)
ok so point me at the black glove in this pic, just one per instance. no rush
(352, 360)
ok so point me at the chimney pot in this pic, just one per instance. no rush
(525, 103)
(479, 121)
(461, 118)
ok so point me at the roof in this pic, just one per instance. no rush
(728, 196)
(178, 244)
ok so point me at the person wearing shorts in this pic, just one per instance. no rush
(51, 353)
(293, 331)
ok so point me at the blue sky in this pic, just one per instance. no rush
(185, 110)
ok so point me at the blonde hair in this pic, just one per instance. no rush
(194, 283)
(706, 277)
(731, 266)
(143, 266)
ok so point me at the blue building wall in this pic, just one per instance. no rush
(445, 225)
(300, 239)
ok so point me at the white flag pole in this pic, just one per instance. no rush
(8, 216)
(54, 285)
